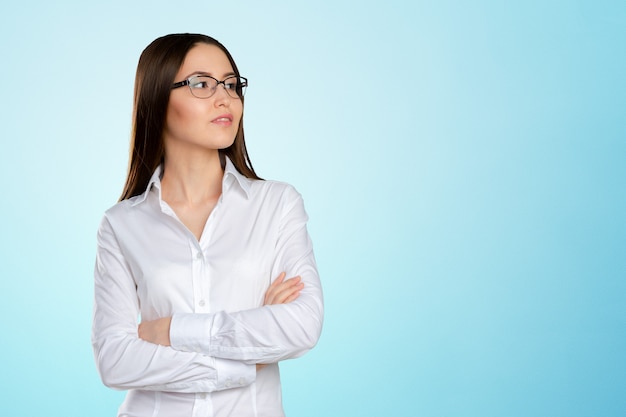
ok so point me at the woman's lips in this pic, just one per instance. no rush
(223, 120)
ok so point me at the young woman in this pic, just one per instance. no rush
(198, 250)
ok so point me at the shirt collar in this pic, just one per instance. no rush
(231, 172)
(231, 176)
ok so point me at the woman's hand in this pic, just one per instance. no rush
(283, 292)
(156, 331)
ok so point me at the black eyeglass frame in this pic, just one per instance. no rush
(188, 81)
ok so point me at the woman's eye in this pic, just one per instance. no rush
(202, 83)
(231, 85)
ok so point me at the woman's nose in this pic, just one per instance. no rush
(221, 96)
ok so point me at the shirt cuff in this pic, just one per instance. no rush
(233, 374)
(190, 332)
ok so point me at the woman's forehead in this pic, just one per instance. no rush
(208, 59)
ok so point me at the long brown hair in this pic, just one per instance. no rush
(157, 67)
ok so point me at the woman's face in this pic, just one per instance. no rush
(209, 123)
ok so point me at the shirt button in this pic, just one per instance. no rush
(229, 383)
(199, 255)
(242, 381)
(201, 303)
(203, 396)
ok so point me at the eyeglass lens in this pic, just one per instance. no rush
(204, 86)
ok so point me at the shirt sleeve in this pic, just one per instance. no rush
(123, 360)
(271, 333)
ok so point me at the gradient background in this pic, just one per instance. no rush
(463, 165)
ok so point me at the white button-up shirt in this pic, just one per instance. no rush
(149, 265)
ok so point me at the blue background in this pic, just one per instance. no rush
(463, 165)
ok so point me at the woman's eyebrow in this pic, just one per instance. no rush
(197, 73)
(228, 74)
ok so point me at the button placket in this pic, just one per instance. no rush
(198, 266)
(201, 285)
(201, 279)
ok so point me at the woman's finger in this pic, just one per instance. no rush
(288, 291)
(281, 291)
(269, 294)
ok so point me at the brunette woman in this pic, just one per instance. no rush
(198, 249)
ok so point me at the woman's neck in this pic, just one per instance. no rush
(192, 180)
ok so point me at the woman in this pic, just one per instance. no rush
(199, 248)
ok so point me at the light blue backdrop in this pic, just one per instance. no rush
(463, 165)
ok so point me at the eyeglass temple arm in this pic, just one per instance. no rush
(180, 84)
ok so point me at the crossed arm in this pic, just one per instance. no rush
(281, 291)
(147, 361)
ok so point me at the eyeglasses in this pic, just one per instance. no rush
(204, 86)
